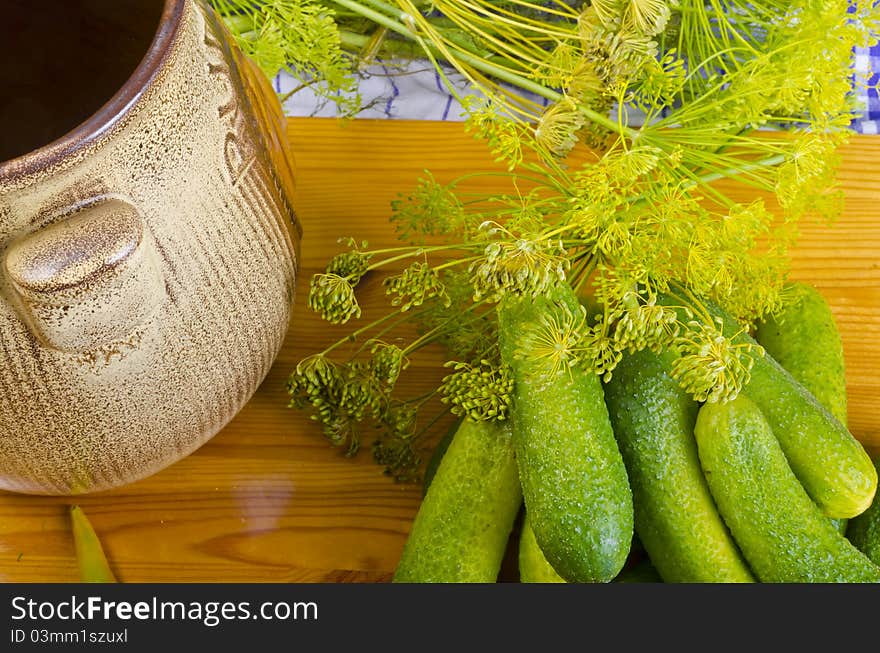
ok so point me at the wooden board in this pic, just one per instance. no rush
(268, 499)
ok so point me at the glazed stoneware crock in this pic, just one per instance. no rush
(148, 244)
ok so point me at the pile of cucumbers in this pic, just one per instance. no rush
(769, 487)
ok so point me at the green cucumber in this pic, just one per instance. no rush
(460, 532)
(782, 533)
(831, 464)
(675, 515)
(573, 478)
(437, 455)
(643, 571)
(533, 566)
(804, 339)
(864, 531)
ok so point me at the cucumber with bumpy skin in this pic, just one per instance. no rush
(804, 339)
(864, 531)
(675, 515)
(437, 455)
(533, 566)
(573, 478)
(460, 532)
(642, 571)
(831, 464)
(783, 535)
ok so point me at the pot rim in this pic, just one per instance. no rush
(112, 111)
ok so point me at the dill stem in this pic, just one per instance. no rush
(352, 337)
(433, 421)
(426, 338)
(500, 9)
(690, 300)
(422, 398)
(744, 168)
(484, 66)
(547, 181)
(358, 42)
(403, 316)
(587, 263)
(454, 262)
(411, 252)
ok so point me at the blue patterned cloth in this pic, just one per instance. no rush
(867, 60)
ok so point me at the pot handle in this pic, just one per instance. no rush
(89, 280)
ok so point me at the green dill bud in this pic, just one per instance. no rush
(387, 363)
(341, 397)
(333, 297)
(339, 429)
(645, 326)
(350, 265)
(309, 383)
(395, 448)
(414, 285)
(520, 266)
(398, 457)
(480, 392)
(600, 352)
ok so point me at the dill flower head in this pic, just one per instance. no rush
(713, 367)
(644, 326)
(808, 168)
(395, 448)
(557, 129)
(416, 284)
(320, 384)
(299, 35)
(387, 362)
(607, 13)
(585, 84)
(518, 265)
(625, 166)
(431, 209)
(503, 134)
(480, 392)
(556, 341)
(333, 297)
(351, 265)
(647, 17)
(601, 352)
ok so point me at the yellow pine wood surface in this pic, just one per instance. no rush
(268, 499)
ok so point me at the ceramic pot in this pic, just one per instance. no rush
(147, 241)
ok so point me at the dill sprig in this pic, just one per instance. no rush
(669, 96)
(300, 36)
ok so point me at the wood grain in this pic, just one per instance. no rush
(268, 500)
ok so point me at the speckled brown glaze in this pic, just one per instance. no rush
(149, 260)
